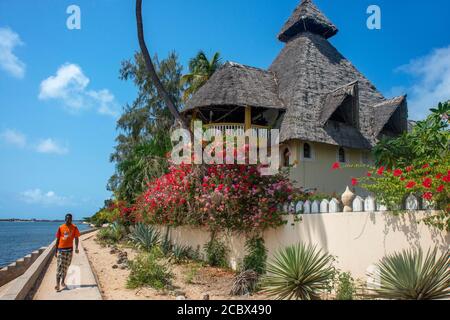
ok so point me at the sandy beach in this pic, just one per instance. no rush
(213, 281)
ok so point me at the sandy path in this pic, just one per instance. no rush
(216, 282)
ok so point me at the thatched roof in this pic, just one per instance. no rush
(238, 85)
(384, 111)
(307, 17)
(336, 98)
(315, 83)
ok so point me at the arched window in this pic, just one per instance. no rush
(307, 151)
(342, 157)
(286, 156)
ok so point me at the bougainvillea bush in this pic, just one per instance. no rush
(429, 182)
(219, 197)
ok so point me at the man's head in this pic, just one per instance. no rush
(68, 218)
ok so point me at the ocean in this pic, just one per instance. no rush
(17, 239)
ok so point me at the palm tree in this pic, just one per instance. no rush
(152, 72)
(200, 70)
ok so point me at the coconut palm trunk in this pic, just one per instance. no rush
(152, 72)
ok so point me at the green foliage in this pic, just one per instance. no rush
(409, 275)
(256, 255)
(104, 216)
(429, 140)
(346, 288)
(192, 273)
(148, 270)
(111, 234)
(180, 253)
(216, 253)
(144, 236)
(298, 272)
(144, 126)
(200, 70)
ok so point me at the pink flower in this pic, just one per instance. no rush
(336, 166)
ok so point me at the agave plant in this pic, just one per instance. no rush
(244, 283)
(409, 275)
(180, 253)
(298, 272)
(144, 236)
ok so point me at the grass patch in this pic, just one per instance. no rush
(148, 270)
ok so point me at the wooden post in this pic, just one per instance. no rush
(248, 118)
(194, 118)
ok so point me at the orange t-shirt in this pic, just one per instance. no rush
(66, 234)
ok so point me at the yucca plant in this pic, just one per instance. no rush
(144, 236)
(298, 272)
(180, 253)
(409, 275)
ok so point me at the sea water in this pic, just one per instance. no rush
(17, 239)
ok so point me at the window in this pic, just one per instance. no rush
(286, 160)
(307, 151)
(365, 158)
(341, 155)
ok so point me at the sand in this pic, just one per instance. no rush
(112, 282)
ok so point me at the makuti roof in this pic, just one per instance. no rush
(310, 78)
(238, 85)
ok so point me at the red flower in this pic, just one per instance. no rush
(336, 166)
(427, 183)
(398, 173)
(410, 185)
(409, 169)
(402, 179)
(440, 188)
(425, 166)
(369, 174)
(380, 171)
(428, 196)
(354, 182)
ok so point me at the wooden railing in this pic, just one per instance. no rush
(239, 129)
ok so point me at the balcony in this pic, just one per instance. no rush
(239, 129)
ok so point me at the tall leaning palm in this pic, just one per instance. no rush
(152, 72)
(200, 70)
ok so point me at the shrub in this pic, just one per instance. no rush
(112, 234)
(298, 272)
(147, 270)
(144, 236)
(345, 286)
(216, 253)
(180, 253)
(256, 255)
(245, 283)
(409, 275)
(231, 197)
(192, 273)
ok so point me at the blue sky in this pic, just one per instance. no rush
(60, 93)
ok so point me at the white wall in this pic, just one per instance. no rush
(358, 239)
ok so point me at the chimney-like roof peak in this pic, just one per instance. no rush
(307, 18)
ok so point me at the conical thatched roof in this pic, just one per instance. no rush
(316, 85)
(307, 17)
(309, 68)
(238, 85)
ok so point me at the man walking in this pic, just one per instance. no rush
(65, 235)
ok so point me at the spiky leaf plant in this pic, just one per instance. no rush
(244, 283)
(298, 272)
(144, 236)
(409, 275)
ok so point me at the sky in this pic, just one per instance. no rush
(60, 92)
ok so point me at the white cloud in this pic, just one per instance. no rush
(51, 146)
(70, 86)
(13, 137)
(432, 81)
(50, 198)
(9, 62)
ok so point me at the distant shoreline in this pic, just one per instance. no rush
(34, 220)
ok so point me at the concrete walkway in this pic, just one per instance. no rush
(80, 281)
